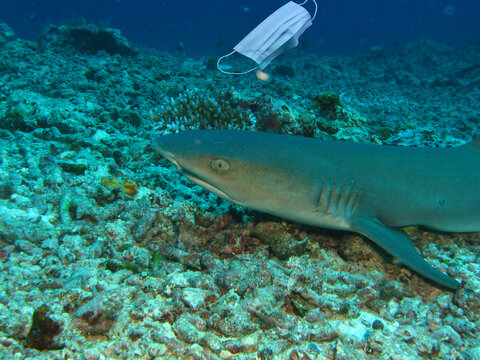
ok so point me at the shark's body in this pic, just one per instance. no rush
(340, 185)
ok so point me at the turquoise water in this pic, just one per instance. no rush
(108, 251)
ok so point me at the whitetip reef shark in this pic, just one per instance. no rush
(364, 188)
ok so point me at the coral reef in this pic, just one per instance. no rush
(195, 109)
(88, 39)
(106, 251)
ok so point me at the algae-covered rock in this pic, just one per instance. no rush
(280, 241)
(88, 39)
(6, 33)
(43, 329)
(73, 168)
(336, 119)
(327, 105)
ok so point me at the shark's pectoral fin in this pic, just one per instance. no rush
(399, 244)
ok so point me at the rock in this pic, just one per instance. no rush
(87, 39)
(6, 33)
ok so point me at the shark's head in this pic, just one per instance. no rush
(227, 163)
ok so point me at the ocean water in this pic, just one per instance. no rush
(114, 244)
(341, 27)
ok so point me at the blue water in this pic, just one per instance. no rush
(341, 27)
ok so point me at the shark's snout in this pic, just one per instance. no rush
(161, 143)
(163, 146)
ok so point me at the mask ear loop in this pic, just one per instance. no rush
(231, 72)
(316, 8)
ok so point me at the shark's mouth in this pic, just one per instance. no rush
(198, 179)
(209, 186)
(171, 158)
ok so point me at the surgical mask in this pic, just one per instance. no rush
(275, 34)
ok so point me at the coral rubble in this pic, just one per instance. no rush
(107, 252)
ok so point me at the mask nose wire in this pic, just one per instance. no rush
(316, 8)
(231, 72)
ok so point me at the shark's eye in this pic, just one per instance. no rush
(220, 165)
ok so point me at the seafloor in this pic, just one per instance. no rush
(107, 252)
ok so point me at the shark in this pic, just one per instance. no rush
(364, 188)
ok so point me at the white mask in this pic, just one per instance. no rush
(275, 34)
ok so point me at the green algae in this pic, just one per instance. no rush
(327, 105)
(73, 168)
(117, 265)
